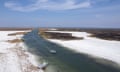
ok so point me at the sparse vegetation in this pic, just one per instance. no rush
(15, 41)
(17, 33)
(107, 35)
(61, 36)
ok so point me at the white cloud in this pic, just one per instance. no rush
(48, 5)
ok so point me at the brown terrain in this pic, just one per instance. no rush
(107, 34)
(55, 35)
(17, 33)
(61, 36)
(16, 40)
(13, 29)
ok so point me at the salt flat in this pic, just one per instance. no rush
(95, 47)
(14, 56)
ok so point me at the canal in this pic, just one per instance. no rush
(64, 60)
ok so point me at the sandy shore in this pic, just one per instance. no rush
(94, 47)
(14, 56)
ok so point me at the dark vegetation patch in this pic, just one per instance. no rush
(61, 36)
(15, 41)
(107, 34)
(17, 33)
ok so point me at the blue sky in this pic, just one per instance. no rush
(60, 13)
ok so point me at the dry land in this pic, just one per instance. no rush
(14, 56)
(13, 29)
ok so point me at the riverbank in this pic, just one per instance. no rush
(92, 46)
(14, 56)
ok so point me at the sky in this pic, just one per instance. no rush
(60, 13)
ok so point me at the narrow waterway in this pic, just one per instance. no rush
(64, 60)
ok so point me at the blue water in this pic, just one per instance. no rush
(64, 60)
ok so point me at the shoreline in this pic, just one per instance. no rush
(94, 47)
(14, 57)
